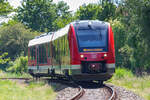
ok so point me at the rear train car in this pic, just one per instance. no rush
(83, 50)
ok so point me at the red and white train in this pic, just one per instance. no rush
(83, 50)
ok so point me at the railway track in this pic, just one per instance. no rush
(112, 91)
(82, 92)
(79, 94)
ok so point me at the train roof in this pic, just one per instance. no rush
(47, 37)
(95, 24)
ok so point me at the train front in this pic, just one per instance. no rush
(91, 50)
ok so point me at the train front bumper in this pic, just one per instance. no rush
(89, 77)
(97, 76)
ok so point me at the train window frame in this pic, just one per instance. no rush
(42, 51)
(80, 49)
(32, 53)
(48, 50)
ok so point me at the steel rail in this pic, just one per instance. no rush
(78, 95)
(112, 91)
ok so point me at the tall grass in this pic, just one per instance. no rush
(121, 73)
(13, 75)
(125, 78)
(33, 91)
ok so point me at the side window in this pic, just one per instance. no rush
(48, 50)
(32, 53)
(42, 54)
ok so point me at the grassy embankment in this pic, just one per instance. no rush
(39, 91)
(126, 79)
(11, 90)
(13, 75)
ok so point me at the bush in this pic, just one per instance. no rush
(19, 66)
(122, 73)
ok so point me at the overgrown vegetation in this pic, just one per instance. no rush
(32, 91)
(125, 78)
(4, 74)
(19, 66)
(14, 39)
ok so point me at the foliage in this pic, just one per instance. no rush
(108, 11)
(135, 27)
(10, 22)
(14, 39)
(19, 66)
(102, 11)
(3, 58)
(44, 14)
(64, 16)
(121, 73)
(88, 12)
(5, 8)
(37, 14)
(125, 78)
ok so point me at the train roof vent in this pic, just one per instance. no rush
(37, 37)
(49, 33)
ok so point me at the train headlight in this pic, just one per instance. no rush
(81, 56)
(105, 55)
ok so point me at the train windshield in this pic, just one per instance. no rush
(90, 38)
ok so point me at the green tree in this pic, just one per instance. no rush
(101, 11)
(62, 9)
(134, 51)
(37, 14)
(108, 11)
(44, 15)
(3, 58)
(64, 16)
(5, 8)
(88, 12)
(14, 39)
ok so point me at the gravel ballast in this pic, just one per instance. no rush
(97, 93)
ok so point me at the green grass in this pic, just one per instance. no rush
(126, 79)
(13, 75)
(33, 91)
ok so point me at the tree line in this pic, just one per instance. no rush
(129, 20)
